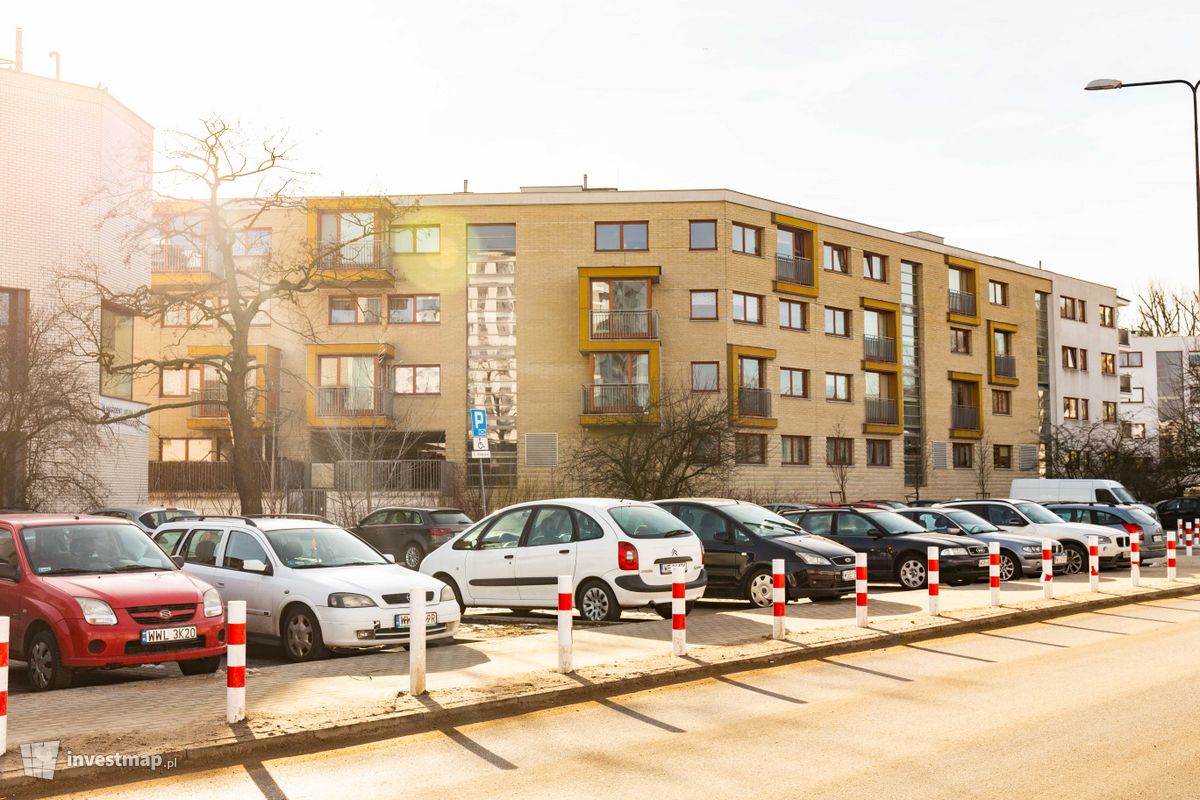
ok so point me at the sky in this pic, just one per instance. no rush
(966, 120)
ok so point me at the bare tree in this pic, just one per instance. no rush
(1168, 312)
(1105, 451)
(983, 467)
(917, 463)
(839, 458)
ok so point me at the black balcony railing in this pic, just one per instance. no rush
(962, 303)
(1005, 366)
(794, 269)
(964, 417)
(371, 253)
(881, 411)
(879, 348)
(353, 401)
(640, 324)
(171, 258)
(616, 398)
(754, 401)
(211, 403)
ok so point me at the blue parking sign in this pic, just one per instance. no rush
(478, 422)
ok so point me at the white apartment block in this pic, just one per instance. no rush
(1152, 378)
(1081, 353)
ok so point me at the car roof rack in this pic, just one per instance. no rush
(313, 517)
(248, 520)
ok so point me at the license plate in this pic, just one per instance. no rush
(158, 635)
(1157, 537)
(430, 619)
(847, 574)
(666, 569)
(1060, 559)
(983, 562)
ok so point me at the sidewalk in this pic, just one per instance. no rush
(184, 715)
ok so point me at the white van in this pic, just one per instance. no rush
(1075, 490)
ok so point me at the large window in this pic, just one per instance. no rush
(746, 239)
(1129, 359)
(793, 315)
(622, 236)
(704, 304)
(1072, 308)
(182, 382)
(414, 308)
(346, 384)
(704, 376)
(837, 258)
(750, 448)
(793, 450)
(621, 369)
(1075, 408)
(793, 382)
(879, 453)
(839, 451)
(354, 231)
(116, 353)
(186, 450)
(417, 239)
(702, 234)
(747, 308)
(252, 242)
(837, 387)
(1074, 358)
(354, 310)
(837, 321)
(418, 379)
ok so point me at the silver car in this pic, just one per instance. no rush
(1020, 556)
(148, 518)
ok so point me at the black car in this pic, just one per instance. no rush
(1176, 511)
(896, 547)
(741, 540)
(408, 533)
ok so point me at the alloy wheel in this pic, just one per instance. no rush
(762, 588)
(912, 574)
(594, 604)
(412, 556)
(1074, 562)
(41, 665)
(299, 636)
(1008, 568)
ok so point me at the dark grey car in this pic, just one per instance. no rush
(1127, 518)
(410, 533)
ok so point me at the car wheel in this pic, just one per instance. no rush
(664, 609)
(200, 666)
(1076, 559)
(1010, 567)
(597, 603)
(911, 572)
(446, 579)
(302, 636)
(412, 555)
(760, 588)
(46, 670)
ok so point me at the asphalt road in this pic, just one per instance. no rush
(1096, 705)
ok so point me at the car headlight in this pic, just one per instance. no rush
(447, 594)
(812, 558)
(954, 551)
(96, 612)
(1030, 548)
(349, 600)
(212, 603)
(1103, 540)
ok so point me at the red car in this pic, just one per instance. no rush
(96, 593)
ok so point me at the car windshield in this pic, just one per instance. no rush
(765, 523)
(970, 523)
(647, 522)
(892, 522)
(310, 548)
(1122, 494)
(1038, 514)
(1141, 517)
(86, 549)
(449, 518)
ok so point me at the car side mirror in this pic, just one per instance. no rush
(10, 572)
(724, 537)
(391, 557)
(254, 565)
(953, 530)
(177, 561)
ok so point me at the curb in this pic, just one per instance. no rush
(243, 745)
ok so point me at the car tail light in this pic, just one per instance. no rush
(1132, 528)
(627, 556)
(702, 552)
(440, 532)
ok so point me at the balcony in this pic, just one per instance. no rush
(881, 411)
(210, 403)
(879, 348)
(640, 324)
(1004, 366)
(794, 270)
(365, 256)
(1126, 384)
(353, 401)
(962, 303)
(616, 398)
(1123, 337)
(964, 418)
(754, 401)
(179, 258)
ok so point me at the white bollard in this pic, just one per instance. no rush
(1187, 540)
(678, 612)
(1047, 569)
(933, 570)
(3, 685)
(1135, 559)
(994, 573)
(565, 621)
(235, 661)
(1171, 556)
(416, 642)
(860, 589)
(1093, 564)
(778, 600)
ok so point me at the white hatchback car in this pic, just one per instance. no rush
(308, 584)
(620, 554)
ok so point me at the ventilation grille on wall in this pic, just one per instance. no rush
(541, 449)
(1028, 457)
(938, 450)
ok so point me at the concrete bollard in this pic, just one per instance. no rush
(1135, 559)
(1093, 564)
(860, 589)
(778, 599)
(1191, 534)
(235, 661)
(3, 685)
(1171, 556)
(934, 578)
(416, 642)
(1047, 569)
(565, 621)
(994, 573)
(678, 613)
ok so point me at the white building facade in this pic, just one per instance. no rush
(1153, 370)
(1082, 352)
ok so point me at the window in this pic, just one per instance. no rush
(837, 322)
(356, 371)
(182, 382)
(252, 242)
(1075, 408)
(997, 293)
(587, 527)
(1108, 317)
(1129, 359)
(839, 451)
(1071, 358)
(746, 239)
(793, 450)
(837, 258)
(791, 243)
(354, 231)
(551, 526)
(793, 382)
(1135, 430)
(704, 304)
(747, 308)
(750, 372)
(417, 239)
(793, 315)
(1108, 364)
(875, 266)
(186, 450)
(704, 376)
(960, 341)
(505, 532)
(1137, 395)
(750, 448)
(414, 308)
(1002, 456)
(1110, 411)
(1072, 308)
(837, 387)
(418, 379)
(354, 310)
(879, 453)
(186, 315)
(116, 353)
(702, 234)
(1001, 402)
(622, 236)
(201, 547)
(964, 455)
(240, 548)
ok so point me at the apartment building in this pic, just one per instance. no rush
(1080, 383)
(65, 149)
(561, 309)
(1154, 374)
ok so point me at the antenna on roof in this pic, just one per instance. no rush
(464, 185)
(57, 64)
(585, 181)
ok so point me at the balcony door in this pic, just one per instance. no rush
(619, 309)
(354, 231)
(620, 382)
(347, 383)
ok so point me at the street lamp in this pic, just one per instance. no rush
(1102, 84)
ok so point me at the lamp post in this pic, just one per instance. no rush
(1102, 84)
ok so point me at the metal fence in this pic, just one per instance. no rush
(879, 348)
(881, 411)
(964, 417)
(794, 270)
(962, 303)
(183, 478)
(211, 400)
(616, 398)
(1006, 366)
(754, 402)
(641, 324)
(179, 258)
(354, 401)
(370, 253)
(408, 475)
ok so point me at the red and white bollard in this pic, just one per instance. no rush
(678, 613)
(934, 579)
(778, 599)
(1093, 564)
(994, 573)
(860, 589)
(3, 685)
(1135, 559)
(1187, 539)
(565, 621)
(1047, 569)
(1171, 555)
(416, 642)
(235, 661)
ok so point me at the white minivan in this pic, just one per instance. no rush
(1075, 490)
